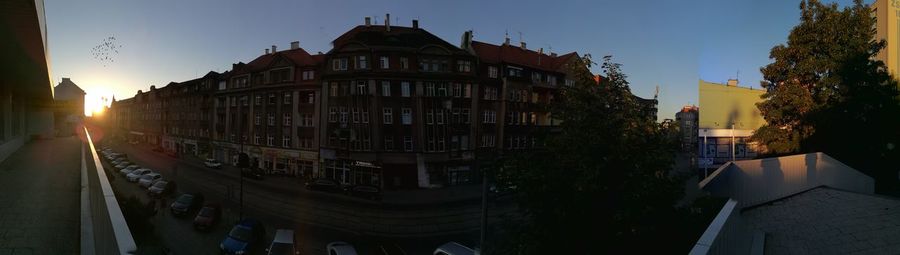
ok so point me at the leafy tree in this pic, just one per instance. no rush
(601, 182)
(826, 92)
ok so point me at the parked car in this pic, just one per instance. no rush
(453, 248)
(284, 243)
(123, 164)
(323, 184)
(136, 174)
(340, 248)
(128, 169)
(212, 163)
(147, 180)
(161, 188)
(253, 173)
(364, 191)
(207, 216)
(242, 236)
(185, 203)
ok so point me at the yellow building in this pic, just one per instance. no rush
(727, 111)
(887, 27)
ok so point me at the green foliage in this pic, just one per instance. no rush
(826, 92)
(601, 183)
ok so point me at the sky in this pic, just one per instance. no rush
(669, 44)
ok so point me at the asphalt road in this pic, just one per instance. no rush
(272, 207)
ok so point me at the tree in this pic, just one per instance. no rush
(826, 92)
(599, 184)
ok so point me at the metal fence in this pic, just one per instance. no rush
(105, 225)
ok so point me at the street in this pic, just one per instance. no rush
(312, 219)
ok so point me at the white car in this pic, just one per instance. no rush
(453, 248)
(136, 174)
(149, 179)
(340, 248)
(283, 243)
(128, 169)
(212, 163)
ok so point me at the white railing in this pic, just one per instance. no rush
(111, 234)
(754, 182)
(727, 233)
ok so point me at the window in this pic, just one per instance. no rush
(222, 85)
(404, 63)
(429, 89)
(429, 117)
(487, 140)
(407, 143)
(439, 117)
(271, 119)
(287, 98)
(514, 71)
(490, 93)
(464, 142)
(306, 120)
(339, 64)
(384, 62)
(388, 115)
(464, 66)
(256, 139)
(333, 90)
(535, 77)
(280, 75)
(551, 80)
(285, 141)
(361, 88)
(489, 116)
(570, 82)
(365, 115)
(492, 71)
(286, 119)
(233, 101)
(311, 98)
(385, 88)
(308, 75)
(332, 114)
(404, 89)
(355, 115)
(258, 100)
(270, 141)
(406, 116)
(258, 119)
(344, 115)
(388, 143)
(457, 90)
(467, 91)
(442, 90)
(362, 62)
(271, 98)
(244, 101)
(454, 119)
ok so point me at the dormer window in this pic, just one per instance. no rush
(362, 62)
(514, 71)
(280, 75)
(339, 64)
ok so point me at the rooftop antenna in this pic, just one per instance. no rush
(656, 95)
(375, 20)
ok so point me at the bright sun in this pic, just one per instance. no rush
(94, 104)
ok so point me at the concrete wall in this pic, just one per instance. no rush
(39, 122)
(754, 182)
(722, 105)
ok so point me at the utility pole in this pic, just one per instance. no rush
(732, 142)
(241, 165)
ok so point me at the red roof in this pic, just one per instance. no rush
(298, 56)
(516, 55)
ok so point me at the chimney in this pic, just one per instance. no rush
(541, 51)
(732, 82)
(415, 24)
(368, 21)
(523, 45)
(66, 80)
(273, 49)
(506, 43)
(295, 45)
(387, 22)
(267, 51)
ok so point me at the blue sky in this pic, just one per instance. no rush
(670, 44)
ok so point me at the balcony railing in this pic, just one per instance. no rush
(104, 230)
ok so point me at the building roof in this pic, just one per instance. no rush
(828, 220)
(495, 54)
(297, 56)
(67, 90)
(397, 37)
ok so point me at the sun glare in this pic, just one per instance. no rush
(94, 103)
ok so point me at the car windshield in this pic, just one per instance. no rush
(160, 184)
(185, 199)
(207, 212)
(282, 249)
(146, 177)
(240, 233)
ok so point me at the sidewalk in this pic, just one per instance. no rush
(456, 195)
(39, 198)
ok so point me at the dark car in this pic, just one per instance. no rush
(364, 191)
(253, 173)
(207, 216)
(242, 236)
(323, 184)
(185, 203)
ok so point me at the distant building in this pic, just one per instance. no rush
(688, 120)
(887, 28)
(68, 106)
(728, 111)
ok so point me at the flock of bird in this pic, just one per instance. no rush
(106, 50)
